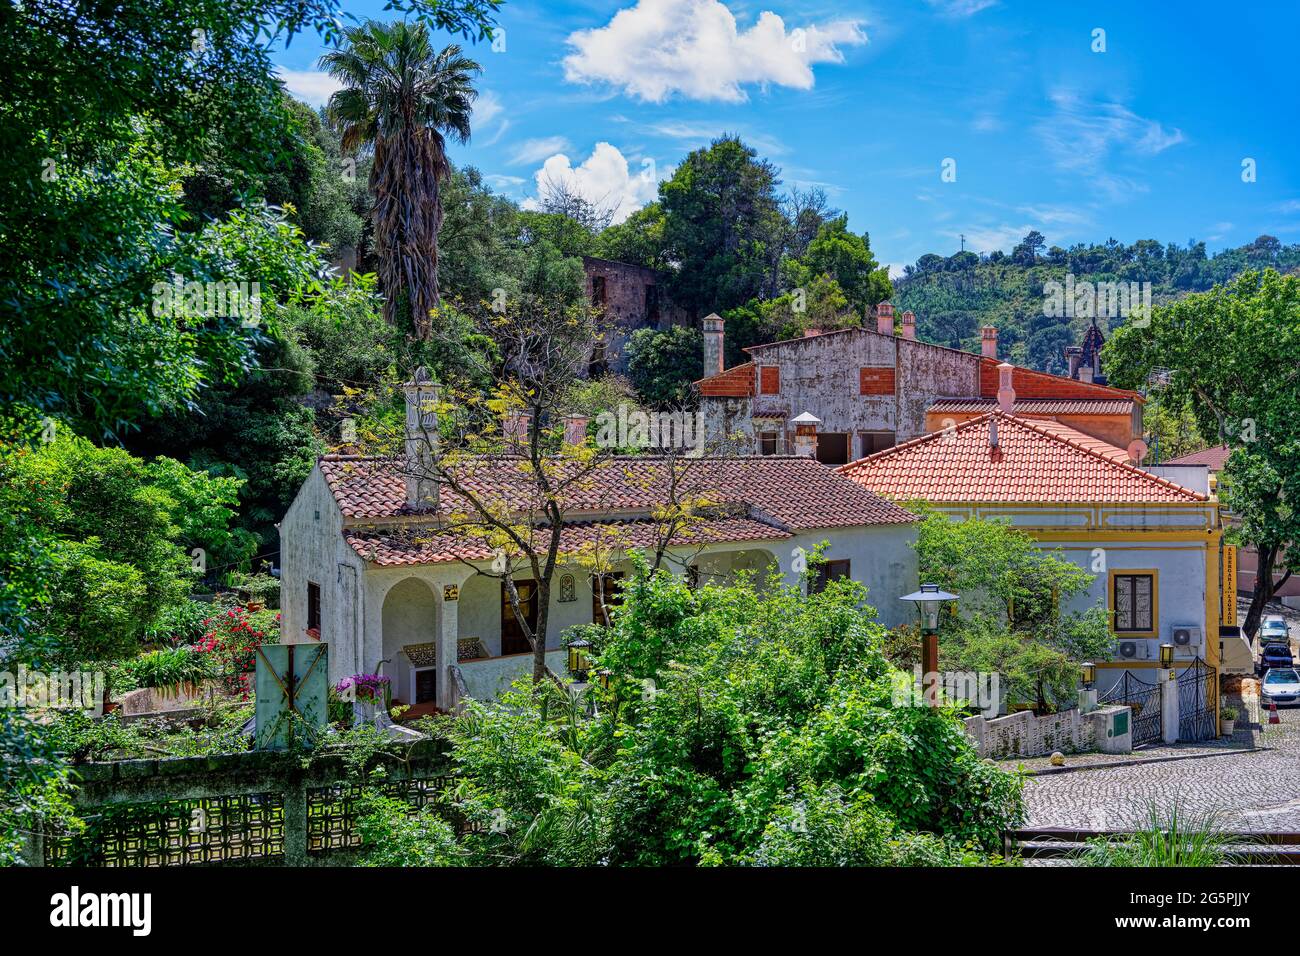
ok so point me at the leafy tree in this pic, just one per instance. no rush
(746, 724)
(1231, 355)
(721, 223)
(399, 98)
(1013, 594)
(638, 239)
(847, 259)
(661, 365)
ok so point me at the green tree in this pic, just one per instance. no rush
(847, 259)
(400, 97)
(1231, 355)
(1012, 619)
(722, 224)
(662, 365)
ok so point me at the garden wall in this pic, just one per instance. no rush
(259, 808)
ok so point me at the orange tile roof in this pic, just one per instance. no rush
(411, 546)
(1036, 406)
(793, 493)
(1031, 384)
(735, 382)
(1034, 461)
(1215, 458)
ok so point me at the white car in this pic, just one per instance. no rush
(1273, 629)
(1281, 685)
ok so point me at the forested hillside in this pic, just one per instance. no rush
(952, 297)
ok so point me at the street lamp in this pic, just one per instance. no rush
(927, 601)
(1166, 656)
(603, 678)
(579, 662)
(1089, 674)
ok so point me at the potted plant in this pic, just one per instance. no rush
(369, 694)
(1228, 719)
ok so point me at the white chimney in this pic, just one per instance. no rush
(1006, 394)
(805, 434)
(713, 344)
(989, 341)
(1085, 373)
(909, 324)
(575, 430)
(993, 431)
(1073, 355)
(421, 440)
(885, 319)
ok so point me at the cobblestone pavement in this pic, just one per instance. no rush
(1250, 790)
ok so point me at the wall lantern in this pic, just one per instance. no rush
(1166, 655)
(1089, 674)
(579, 661)
(603, 678)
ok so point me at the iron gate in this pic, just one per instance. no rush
(1143, 697)
(1196, 687)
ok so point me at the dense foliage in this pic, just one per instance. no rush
(749, 724)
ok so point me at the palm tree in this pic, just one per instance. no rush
(399, 97)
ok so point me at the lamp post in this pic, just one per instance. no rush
(1089, 674)
(927, 601)
(1166, 656)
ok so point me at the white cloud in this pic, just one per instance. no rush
(1081, 138)
(489, 120)
(694, 48)
(533, 150)
(959, 9)
(603, 178)
(310, 86)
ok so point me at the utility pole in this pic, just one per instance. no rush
(962, 236)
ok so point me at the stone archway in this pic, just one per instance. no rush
(410, 619)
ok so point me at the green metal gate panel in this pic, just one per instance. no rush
(292, 684)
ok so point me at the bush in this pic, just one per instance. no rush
(169, 669)
(182, 623)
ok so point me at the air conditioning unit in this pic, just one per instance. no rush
(1135, 650)
(1187, 637)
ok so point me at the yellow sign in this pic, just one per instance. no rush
(1228, 585)
(450, 592)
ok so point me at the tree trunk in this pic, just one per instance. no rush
(1264, 588)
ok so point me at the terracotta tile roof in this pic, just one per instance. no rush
(1036, 406)
(795, 493)
(1215, 458)
(411, 546)
(1031, 384)
(1035, 461)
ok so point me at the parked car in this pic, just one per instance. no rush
(1274, 655)
(1281, 685)
(1273, 629)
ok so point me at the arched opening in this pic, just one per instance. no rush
(410, 641)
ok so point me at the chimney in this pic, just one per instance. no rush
(993, 431)
(909, 324)
(1074, 355)
(575, 430)
(805, 434)
(989, 341)
(713, 342)
(421, 440)
(885, 319)
(1085, 373)
(514, 426)
(1006, 394)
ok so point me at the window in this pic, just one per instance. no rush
(313, 606)
(769, 443)
(609, 588)
(873, 442)
(833, 448)
(1133, 602)
(598, 291)
(828, 572)
(769, 382)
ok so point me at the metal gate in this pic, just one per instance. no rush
(1143, 697)
(1196, 688)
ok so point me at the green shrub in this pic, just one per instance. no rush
(170, 668)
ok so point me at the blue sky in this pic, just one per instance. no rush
(867, 100)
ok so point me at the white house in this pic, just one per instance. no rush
(370, 567)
